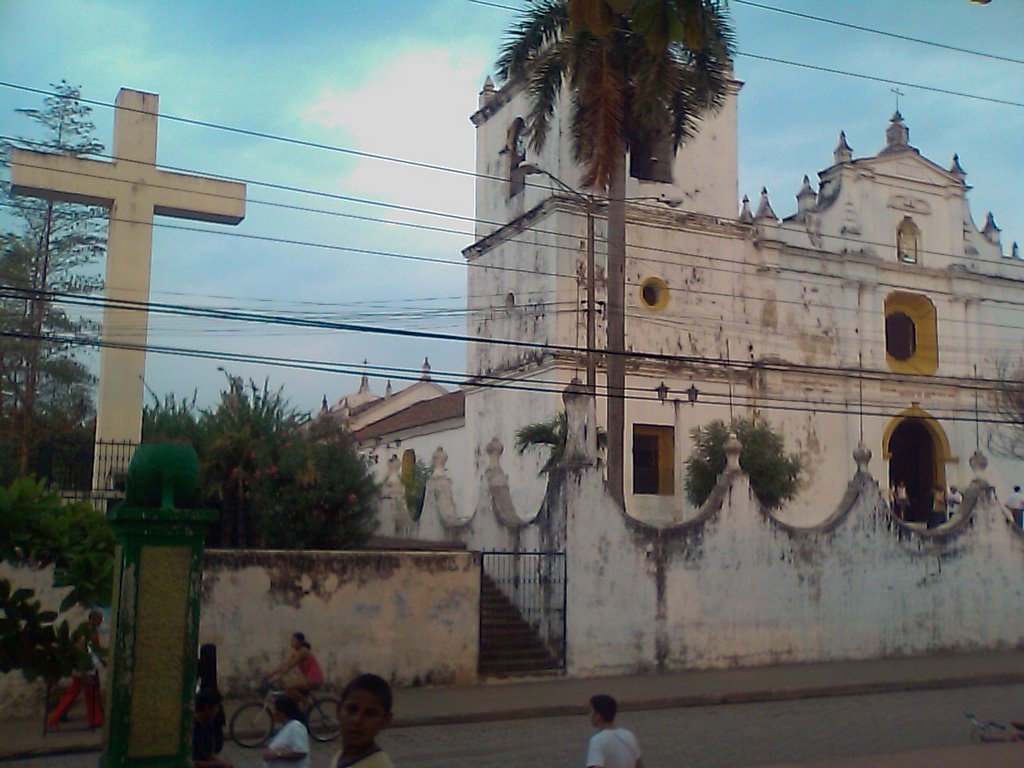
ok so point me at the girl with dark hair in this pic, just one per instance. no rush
(307, 676)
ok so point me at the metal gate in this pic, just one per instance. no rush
(535, 584)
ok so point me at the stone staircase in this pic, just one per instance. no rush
(508, 645)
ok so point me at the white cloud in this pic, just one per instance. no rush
(415, 107)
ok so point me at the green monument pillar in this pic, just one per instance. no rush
(157, 585)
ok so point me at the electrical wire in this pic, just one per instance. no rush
(846, 407)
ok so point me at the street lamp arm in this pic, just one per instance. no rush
(532, 170)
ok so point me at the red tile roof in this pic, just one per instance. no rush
(450, 406)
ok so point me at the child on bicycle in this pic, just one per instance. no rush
(364, 710)
(310, 675)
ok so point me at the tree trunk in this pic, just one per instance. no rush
(616, 362)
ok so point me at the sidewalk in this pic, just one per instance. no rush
(550, 696)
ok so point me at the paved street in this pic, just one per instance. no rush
(698, 737)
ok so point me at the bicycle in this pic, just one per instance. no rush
(252, 723)
(990, 730)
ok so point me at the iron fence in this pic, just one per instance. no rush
(86, 469)
(535, 583)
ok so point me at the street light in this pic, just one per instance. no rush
(615, 373)
(588, 203)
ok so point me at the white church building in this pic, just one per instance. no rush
(876, 312)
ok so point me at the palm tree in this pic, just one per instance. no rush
(635, 69)
(551, 433)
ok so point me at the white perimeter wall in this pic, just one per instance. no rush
(411, 617)
(735, 587)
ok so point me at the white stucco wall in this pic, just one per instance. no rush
(410, 617)
(735, 587)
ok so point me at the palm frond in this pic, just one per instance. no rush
(598, 121)
(546, 77)
(540, 26)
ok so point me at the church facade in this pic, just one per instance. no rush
(878, 312)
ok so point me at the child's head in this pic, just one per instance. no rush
(364, 710)
(286, 708)
(604, 707)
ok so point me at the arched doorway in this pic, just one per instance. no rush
(912, 460)
(917, 451)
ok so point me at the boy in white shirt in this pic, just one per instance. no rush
(610, 747)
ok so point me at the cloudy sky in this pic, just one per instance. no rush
(359, 201)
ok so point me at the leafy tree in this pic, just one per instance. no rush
(172, 420)
(773, 474)
(53, 252)
(37, 529)
(317, 494)
(277, 482)
(636, 71)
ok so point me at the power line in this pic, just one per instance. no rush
(944, 91)
(810, 275)
(678, 359)
(870, 30)
(754, 401)
(886, 80)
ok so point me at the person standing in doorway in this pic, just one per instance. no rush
(610, 747)
(939, 501)
(1016, 506)
(955, 499)
(902, 500)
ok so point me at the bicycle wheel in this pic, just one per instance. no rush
(322, 719)
(251, 725)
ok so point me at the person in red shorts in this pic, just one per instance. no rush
(88, 680)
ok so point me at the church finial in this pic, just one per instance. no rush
(956, 169)
(425, 376)
(897, 135)
(991, 231)
(487, 93)
(764, 209)
(364, 382)
(806, 197)
(745, 215)
(843, 153)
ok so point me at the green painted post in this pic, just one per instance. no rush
(157, 586)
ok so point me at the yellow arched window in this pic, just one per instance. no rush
(911, 333)
(408, 463)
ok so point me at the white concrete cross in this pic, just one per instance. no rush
(135, 191)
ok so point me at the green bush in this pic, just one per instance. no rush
(773, 475)
(38, 529)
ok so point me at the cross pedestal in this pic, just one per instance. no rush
(134, 191)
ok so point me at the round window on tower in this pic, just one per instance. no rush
(654, 293)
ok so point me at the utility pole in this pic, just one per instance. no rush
(616, 320)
